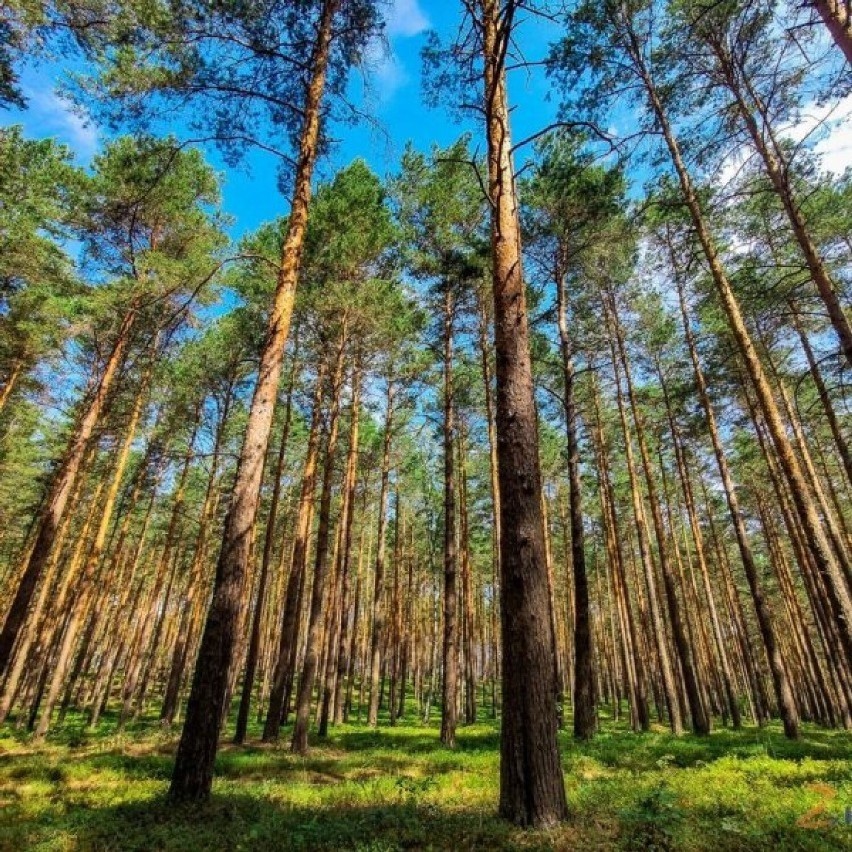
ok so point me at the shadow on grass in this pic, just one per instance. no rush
(242, 822)
(237, 822)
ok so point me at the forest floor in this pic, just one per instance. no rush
(398, 788)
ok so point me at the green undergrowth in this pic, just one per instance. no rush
(398, 788)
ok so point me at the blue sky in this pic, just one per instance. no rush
(390, 90)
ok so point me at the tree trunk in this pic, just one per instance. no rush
(193, 773)
(467, 585)
(449, 695)
(585, 712)
(837, 16)
(11, 381)
(313, 650)
(268, 547)
(378, 614)
(532, 791)
(495, 496)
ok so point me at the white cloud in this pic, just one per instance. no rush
(827, 129)
(390, 76)
(405, 18)
(385, 72)
(49, 114)
(385, 68)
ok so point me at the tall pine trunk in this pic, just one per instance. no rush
(532, 791)
(321, 561)
(193, 772)
(585, 712)
(449, 695)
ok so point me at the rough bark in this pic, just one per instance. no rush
(532, 791)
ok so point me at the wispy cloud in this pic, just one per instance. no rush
(826, 129)
(829, 127)
(405, 18)
(386, 69)
(49, 114)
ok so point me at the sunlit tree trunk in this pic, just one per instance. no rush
(837, 16)
(811, 524)
(192, 777)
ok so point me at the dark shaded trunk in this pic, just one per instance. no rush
(585, 712)
(449, 695)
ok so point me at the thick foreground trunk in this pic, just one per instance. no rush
(532, 791)
(193, 773)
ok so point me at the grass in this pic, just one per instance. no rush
(397, 788)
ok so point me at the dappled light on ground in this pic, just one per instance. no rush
(398, 788)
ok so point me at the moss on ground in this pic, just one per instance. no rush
(398, 788)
